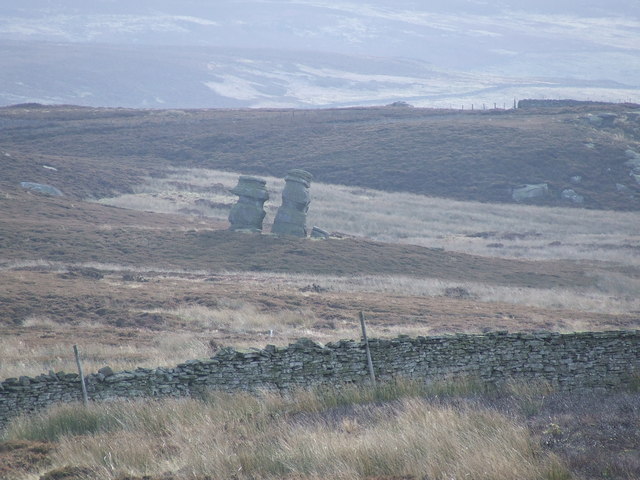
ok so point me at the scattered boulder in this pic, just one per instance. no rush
(291, 218)
(576, 179)
(571, 195)
(41, 188)
(317, 232)
(530, 192)
(249, 213)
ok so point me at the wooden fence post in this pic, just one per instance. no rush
(85, 398)
(366, 346)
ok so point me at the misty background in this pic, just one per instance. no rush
(317, 53)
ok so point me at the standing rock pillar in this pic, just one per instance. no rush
(249, 213)
(292, 215)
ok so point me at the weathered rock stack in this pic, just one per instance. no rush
(249, 213)
(292, 215)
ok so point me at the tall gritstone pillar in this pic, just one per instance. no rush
(248, 213)
(292, 215)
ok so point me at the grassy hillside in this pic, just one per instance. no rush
(476, 155)
(59, 229)
(488, 229)
(132, 286)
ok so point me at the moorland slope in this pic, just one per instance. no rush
(135, 288)
(480, 155)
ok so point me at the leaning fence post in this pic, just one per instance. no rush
(366, 347)
(85, 398)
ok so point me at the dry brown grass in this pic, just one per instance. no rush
(24, 357)
(242, 317)
(244, 437)
(166, 318)
(614, 292)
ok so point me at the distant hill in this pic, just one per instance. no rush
(482, 155)
(308, 54)
(150, 76)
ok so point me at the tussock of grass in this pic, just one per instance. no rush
(529, 396)
(62, 421)
(351, 433)
(324, 398)
(241, 316)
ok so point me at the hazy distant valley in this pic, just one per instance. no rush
(317, 53)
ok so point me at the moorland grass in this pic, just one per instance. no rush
(197, 329)
(21, 358)
(490, 229)
(464, 155)
(393, 430)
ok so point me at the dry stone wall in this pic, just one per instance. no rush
(570, 361)
(541, 103)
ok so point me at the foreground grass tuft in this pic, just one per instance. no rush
(61, 421)
(391, 430)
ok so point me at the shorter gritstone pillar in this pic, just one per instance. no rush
(292, 215)
(249, 213)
